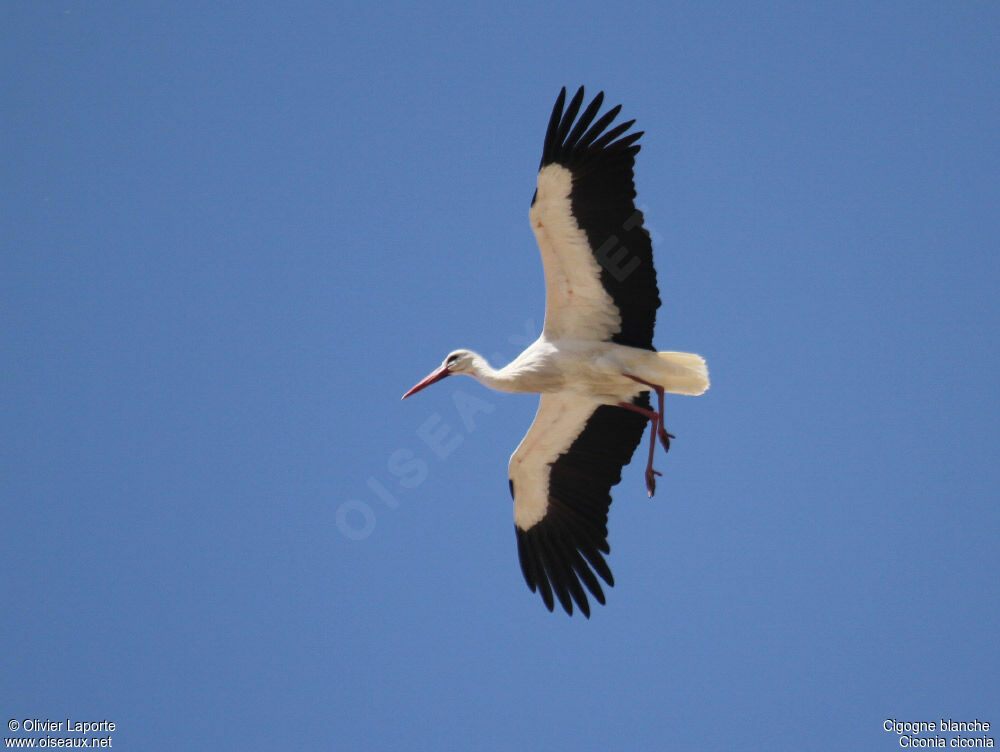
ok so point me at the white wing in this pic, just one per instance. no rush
(576, 304)
(600, 284)
(561, 477)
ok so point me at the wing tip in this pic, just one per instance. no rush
(566, 143)
(561, 569)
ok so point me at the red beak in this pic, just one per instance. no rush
(432, 377)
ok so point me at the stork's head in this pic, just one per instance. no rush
(459, 361)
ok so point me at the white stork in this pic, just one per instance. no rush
(594, 363)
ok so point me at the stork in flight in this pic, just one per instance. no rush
(594, 363)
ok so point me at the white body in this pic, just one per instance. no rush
(596, 370)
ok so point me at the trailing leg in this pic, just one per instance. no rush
(655, 418)
(662, 430)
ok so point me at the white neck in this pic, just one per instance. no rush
(490, 377)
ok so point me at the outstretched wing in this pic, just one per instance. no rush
(561, 477)
(600, 283)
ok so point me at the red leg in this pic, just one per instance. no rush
(664, 436)
(655, 418)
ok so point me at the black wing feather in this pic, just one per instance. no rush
(586, 118)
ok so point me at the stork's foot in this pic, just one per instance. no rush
(665, 438)
(651, 480)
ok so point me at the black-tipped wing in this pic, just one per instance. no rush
(561, 477)
(600, 283)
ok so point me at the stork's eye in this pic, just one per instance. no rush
(452, 359)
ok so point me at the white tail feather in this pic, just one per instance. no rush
(683, 373)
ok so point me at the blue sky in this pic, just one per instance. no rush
(235, 234)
